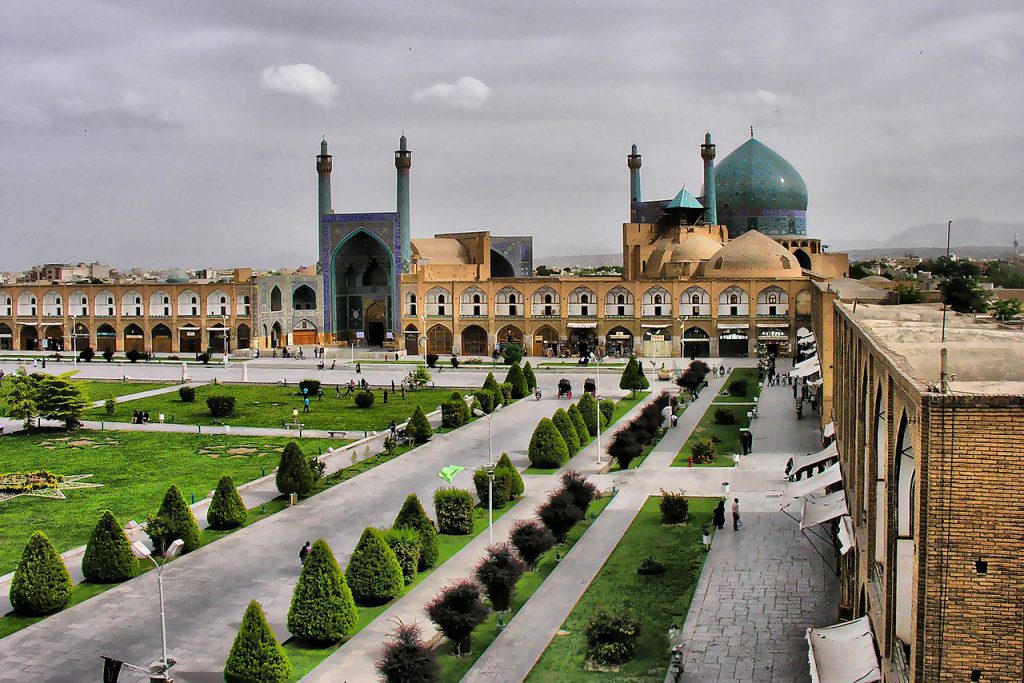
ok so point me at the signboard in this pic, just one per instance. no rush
(360, 335)
(657, 337)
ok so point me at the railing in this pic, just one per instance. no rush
(877, 585)
(686, 318)
(620, 317)
(774, 316)
(900, 665)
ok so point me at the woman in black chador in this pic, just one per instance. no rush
(719, 516)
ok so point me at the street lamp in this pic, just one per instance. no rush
(74, 348)
(490, 473)
(597, 359)
(142, 552)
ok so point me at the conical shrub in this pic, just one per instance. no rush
(256, 656)
(505, 463)
(531, 379)
(491, 384)
(547, 447)
(413, 516)
(405, 543)
(588, 409)
(226, 510)
(567, 429)
(373, 572)
(517, 379)
(577, 421)
(174, 520)
(108, 556)
(419, 429)
(41, 583)
(322, 609)
(293, 473)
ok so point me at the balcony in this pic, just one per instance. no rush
(773, 316)
(685, 317)
(619, 317)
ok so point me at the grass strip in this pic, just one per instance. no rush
(726, 437)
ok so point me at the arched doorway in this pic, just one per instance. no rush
(582, 340)
(657, 342)
(509, 334)
(276, 333)
(803, 259)
(189, 340)
(412, 340)
(619, 342)
(134, 339)
(161, 336)
(361, 276)
(545, 341)
(106, 338)
(6, 337)
(474, 341)
(29, 338)
(79, 338)
(375, 324)
(439, 340)
(500, 266)
(733, 342)
(218, 340)
(243, 338)
(906, 531)
(696, 343)
(304, 332)
(53, 337)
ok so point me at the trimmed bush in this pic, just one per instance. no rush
(256, 655)
(738, 387)
(364, 399)
(531, 539)
(108, 556)
(607, 408)
(625, 447)
(293, 473)
(406, 657)
(633, 377)
(516, 378)
(485, 398)
(531, 379)
(322, 609)
(110, 406)
(309, 387)
(490, 383)
(87, 354)
(405, 543)
(413, 516)
(187, 394)
(457, 397)
(226, 510)
(456, 611)
(453, 413)
(650, 567)
(588, 409)
(547, 447)
(516, 486)
(567, 429)
(559, 514)
(454, 508)
(581, 489)
(505, 389)
(431, 359)
(501, 491)
(511, 353)
(498, 572)
(108, 355)
(703, 450)
(419, 429)
(221, 406)
(373, 572)
(724, 416)
(577, 422)
(174, 520)
(41, 583)
(612, 637)
(674, 507)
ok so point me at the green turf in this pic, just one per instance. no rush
(749, 375)
(95, 390)
(656, 601)
(454, 668)
(728, 435)
(270, 406)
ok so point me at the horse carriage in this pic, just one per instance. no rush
(564, 388)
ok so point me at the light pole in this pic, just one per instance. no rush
(140, 551)
(490, 473)
(598, 359)
(74, 348)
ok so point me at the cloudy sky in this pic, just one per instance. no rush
(183, 133)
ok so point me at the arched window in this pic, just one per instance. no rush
(218, 303)
(695, 302)
(733, 301)
(438, 302)
(906, 528)
(881, 469)
(580, 300)
(654, 303)
(188, 303)
(53, 305)
(243, 306)
(618, 302)
(131, 304)
(159, 304)
(545, 303)
(304, 298)
(506, 302)
(773, 301)
(105, 304)
(6, 305)
(472, 302)
(276, 303)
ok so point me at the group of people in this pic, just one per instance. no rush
(286, 353)
(718, 517)
(140, 417)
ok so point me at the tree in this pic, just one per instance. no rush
(21, 397)
(58, 397)
(322, 609)
(547, 447)
(405, 543)
(413, 516)
(625, 447)
(578, 423)
(373, 572)
(906, 293)
(612, 636)
(406, 658)
(581, 489)
(456, 611)
(531, 539)
(567, 429)
(964, 296)
(1006, 309)
(256, 655)
(500, 490)
(108, 556)
(531, 379)
(226, 510)
(41, 583)
(511, 353)
(419, 429)
(516, 377)
(221, 405)
(454, 509)
(559, 514)
(174, 520)
(516, 487)
(632, 377)
(498, 572)
(420, 376)
(589, 410)
(293, 473)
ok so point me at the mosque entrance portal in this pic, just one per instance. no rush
(362, 274)
(375, 325)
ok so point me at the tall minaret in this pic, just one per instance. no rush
(633, 161)
(403, 162)
(707, 153)
(323, 171)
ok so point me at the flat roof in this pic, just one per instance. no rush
(849, 289)
(983, 357)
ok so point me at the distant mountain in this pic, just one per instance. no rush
(580, 260)
(967, 232)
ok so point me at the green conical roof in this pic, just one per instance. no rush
(756, 178)
(684, 200)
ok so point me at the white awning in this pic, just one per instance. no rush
(844, 653)
(803, 332)
(827, 453)
(188, 327)
(582, 326)
(732, 326)
(654, 327)
(806, 371)
(799, 489)
(773, 325)
(847, 538)
(816, 382)
(819, 510)
(805, 362)
(830, 430)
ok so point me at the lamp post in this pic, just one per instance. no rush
(598, 359)
(74, 348)
(490, 473)
(140, 551)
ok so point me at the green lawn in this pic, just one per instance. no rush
(96, 390)
(728, 436)
(656, 601)
(454, 668)
(269, 406)
(749, 375)
(135, 469)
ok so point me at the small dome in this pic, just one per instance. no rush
(440, 251)
(696, 248)
(752, 255)
(177, 277)
(757, 189)
(875, 278)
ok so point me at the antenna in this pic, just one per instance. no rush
(949, 229)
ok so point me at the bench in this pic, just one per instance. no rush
(292, 425)
(333, 432)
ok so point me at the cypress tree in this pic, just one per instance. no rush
(419, 429)
(547, 447)
(491, 384)
(108, 555)
(413, 516)
(256, 655)
(174, 520)
(531, 379)
(373, 572)
(567, 429)
(505, 463)
(644, 384)
(588, 409)
(406, 545)
(631, 379)
(293, 473)
(41, 583)
(322, 609)
(515, 377)
(577, 421)
(226, 510)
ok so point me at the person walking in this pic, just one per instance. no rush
(305, 405)
(304, 552)
(735, 514)
(337, 391)
(359, 368)
(719, 515)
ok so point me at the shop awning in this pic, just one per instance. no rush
(654, 326)
(582, 326)
(826, 508)
(844, 653)
(825, 454)
(804, 332)
(783, 325)
(847, 538)
(190, 328)
(829, 430)
(732, 326)
(798, 489)
(806, 371)
(805, 362)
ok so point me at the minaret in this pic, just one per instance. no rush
(323, 171)
(633, 161)
(403, 162)
(707, 153)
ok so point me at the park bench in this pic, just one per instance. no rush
(334, 432)
(292, 425)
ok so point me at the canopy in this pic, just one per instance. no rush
(803, 332)
(830, 430)
(847, 539)
(826, 508)
(773, 324)
(807, 370)
(799, 489)
(844, 653)
(827, 453)
(810, 360)
(581, 325)
(732, 326)
(655, 326)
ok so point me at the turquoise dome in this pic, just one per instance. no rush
(177, 277)
(756, 189)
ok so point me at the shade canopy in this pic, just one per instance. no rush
(844, 653)
(825, 454)
(807, 370)
(798, 489)
(830, 430)
(582, 326)
(847, 538)
(824, 509)
(812, 360)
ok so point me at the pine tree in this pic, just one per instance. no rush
(631, 379)
(419, 429)
(174, 520)
(256, 655)
(226, 510)
(577, 421)
(293, 473)
(322, 609)
(515, 377)
(41, 584)
(547, 447)
(531, 379)
(505, 463)
(567, 429)
(108, 556)
(413, 516)
(589, 410)
(58, 397)
(373, 572)
(491, 384)
(21, 397)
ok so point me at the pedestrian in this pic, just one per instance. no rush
(334, 364)
(337, 391)
(736, 514)
(304, 552)
(718, 518)
(403, 392)
(392, 386)
(675, 419)
(320, 393)
(794, 389)
(305, 405)
(145, 417)
(385, 397)
(359, 369)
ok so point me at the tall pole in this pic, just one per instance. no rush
(949, 229)
(163, 618)
(598, 410)
(74, 348)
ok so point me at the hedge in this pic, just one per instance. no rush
(452, 414)
(41, 583)
(454, 508)
(485, 398)
(547, 447)
(256, 655)
(501, 490)
(373, 572)
(108, 556)
(187, 394)
(413, 516)
(226, 511)
(322, 610)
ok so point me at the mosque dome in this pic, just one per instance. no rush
(876, 278)
(696, 248)
(177, 277)
(757, 189)
(752, 255)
